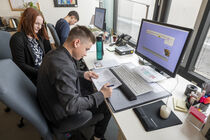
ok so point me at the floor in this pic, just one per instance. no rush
(10, 131)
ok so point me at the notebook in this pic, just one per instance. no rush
(149, 115)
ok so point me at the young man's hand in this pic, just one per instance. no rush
(90, 74)
(107, 91)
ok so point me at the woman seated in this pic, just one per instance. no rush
(30, 43)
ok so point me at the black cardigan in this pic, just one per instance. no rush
(22, 54)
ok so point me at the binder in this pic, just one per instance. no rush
(149, 115)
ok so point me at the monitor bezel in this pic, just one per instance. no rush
(104, 18)
(156, 65)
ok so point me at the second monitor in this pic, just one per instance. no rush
(99, 19)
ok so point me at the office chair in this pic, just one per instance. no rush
(5, 53)
(51, 27)
(54, 34)
(19, 93)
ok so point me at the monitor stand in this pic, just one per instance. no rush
(146, 63)
(161, 72)
(143, 62)
(149, 74)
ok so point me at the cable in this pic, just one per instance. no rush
(177, 81)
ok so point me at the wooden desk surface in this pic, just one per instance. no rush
(130, 126)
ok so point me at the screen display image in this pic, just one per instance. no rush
(163, 45)
(99, 18)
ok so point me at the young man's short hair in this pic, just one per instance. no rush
(82, 33)
(74, 13)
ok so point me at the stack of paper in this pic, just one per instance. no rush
(179, 104)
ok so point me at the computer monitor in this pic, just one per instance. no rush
(99, 19)
(163, 45)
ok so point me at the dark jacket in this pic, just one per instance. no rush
(22, 54)
(58, 87)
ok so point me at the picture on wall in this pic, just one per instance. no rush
(65, 3)
(21, 5)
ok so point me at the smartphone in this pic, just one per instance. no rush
(99, 48)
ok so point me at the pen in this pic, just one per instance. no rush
(110, 85)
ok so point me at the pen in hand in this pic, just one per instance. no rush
(110, 85)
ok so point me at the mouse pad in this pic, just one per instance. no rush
(149, 115)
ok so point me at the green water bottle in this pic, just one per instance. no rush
(99, 48)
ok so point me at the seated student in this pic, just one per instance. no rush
(30, 43)
(58, 87)
(62, 26)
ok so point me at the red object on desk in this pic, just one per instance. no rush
(199, 115)
(206, 100)
(202, 99)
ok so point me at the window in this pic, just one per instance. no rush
(202, 65)
(195, 66)
(109, 6)
(129, 15)
(184, 13)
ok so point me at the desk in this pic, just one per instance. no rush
(130, 127)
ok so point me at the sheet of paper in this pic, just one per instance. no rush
(93, 48)
(105, 63)
(111, 48)
(106, 76)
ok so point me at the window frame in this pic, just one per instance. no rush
(188, 71)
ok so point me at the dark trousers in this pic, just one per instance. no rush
(100, 126)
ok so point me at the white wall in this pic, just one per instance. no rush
(184, 12)
(86, 8)
(5, 10)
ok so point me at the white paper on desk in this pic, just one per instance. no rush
(111, 48)
(105, 63)
(106, 76)
(93, 48)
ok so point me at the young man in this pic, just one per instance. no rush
(62, 26)
(58, 87)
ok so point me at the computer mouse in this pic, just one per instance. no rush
(165, 111)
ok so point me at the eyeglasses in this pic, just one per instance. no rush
(38, 24)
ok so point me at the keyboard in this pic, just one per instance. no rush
(132, 84)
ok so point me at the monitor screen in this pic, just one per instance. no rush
(162, 45)
(99, 19)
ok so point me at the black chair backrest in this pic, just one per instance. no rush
(5, 51)
(54, 34)
(19, 93)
